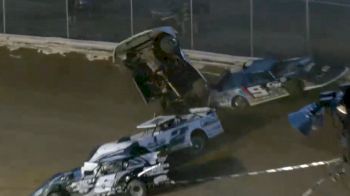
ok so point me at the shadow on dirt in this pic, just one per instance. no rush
(205, 171)
(239, 122)
(217, 167)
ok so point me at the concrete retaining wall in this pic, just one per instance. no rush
(104, 50)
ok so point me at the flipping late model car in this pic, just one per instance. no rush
(159, 67)
(269, 79)
(124, 168)
(175, 132)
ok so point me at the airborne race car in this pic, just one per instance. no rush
(118, 169)
(160, 69)
(269, 79)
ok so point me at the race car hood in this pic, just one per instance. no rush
(43, 190)
(292, 67)
(307, 70)
(56, 180)
(320, 76)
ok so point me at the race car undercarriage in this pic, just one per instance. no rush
(159, 67)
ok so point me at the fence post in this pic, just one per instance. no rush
(131, 17)
(191, 18)
(67, 19)
(307, 26)
(4, 16)
(251, 27)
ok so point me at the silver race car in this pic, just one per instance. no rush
(176, 132)
(265, 80)
(159, 68)
(113, 169)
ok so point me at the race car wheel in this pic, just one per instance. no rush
(59, 193)
(239, 102)
(198, 143)
(295, 87)
(137, 188)
(124, 139)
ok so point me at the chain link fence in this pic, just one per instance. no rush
(239, 27)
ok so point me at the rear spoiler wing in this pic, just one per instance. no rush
(203, 110)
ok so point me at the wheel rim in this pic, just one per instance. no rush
(197, 144)
(136, 190)
(239, 102)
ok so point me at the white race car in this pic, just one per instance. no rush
(174, 132)
(134, 164)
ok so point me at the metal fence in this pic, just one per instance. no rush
(240, 27)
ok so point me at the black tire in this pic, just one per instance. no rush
(137, 188)
(59, 193)
(55, 194)
(295, 87)
(199, 142)
(239, 102)
(124, 139)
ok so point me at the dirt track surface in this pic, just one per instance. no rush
(54, 110)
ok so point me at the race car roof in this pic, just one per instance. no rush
(261, 65)
(153, 123)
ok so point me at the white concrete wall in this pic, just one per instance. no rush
(104, 50)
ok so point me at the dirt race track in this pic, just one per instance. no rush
(55, 109)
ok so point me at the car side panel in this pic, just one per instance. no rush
(255, 94)
(266, 92)
(104, 184)
(211, 125)
(178, 138)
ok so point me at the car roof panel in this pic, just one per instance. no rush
(153, 123)
(261, 65)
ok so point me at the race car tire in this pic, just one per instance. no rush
(239, 102)
(59, 193)
(137, 188)
(295, 87)
(124, 139)
(199, 141)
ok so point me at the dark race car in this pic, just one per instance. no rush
(159, 68)
(269, 79)
(112, 169)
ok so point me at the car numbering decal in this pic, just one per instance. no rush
(257, 91)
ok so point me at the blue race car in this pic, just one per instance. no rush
(268, 79)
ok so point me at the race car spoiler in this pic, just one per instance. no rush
(204, 110)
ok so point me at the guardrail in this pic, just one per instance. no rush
(95, 50)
